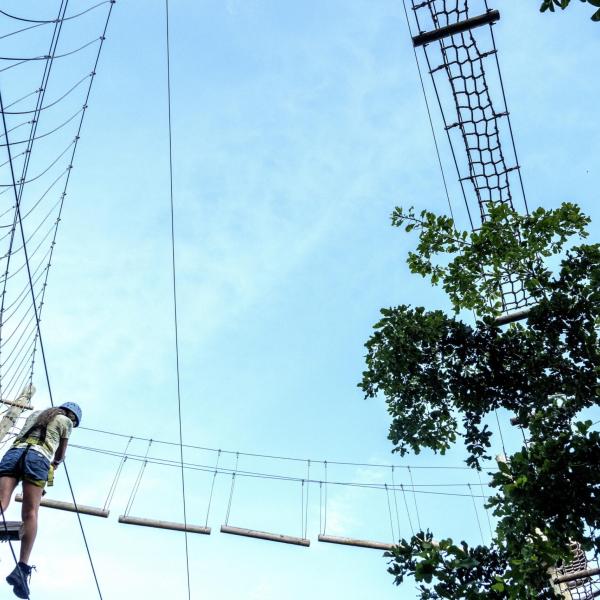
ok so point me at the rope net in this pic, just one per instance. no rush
(467, 80)
(48, 58)
(585, 587)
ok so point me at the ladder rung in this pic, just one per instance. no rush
(442, 32)
(346, 541)
(164, 524)
(265, 535)
(517, 315)
(10, 531)
(586, 574)
(70, 507)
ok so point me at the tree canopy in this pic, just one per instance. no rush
(551, 5)
(442, 378)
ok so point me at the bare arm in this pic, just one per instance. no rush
(60, 452)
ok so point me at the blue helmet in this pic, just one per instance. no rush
(75, 409)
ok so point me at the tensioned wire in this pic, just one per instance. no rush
(174, 286)
(212, 469)
(273, 456)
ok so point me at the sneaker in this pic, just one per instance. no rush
(19, 579)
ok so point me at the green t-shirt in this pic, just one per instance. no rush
(60, 427)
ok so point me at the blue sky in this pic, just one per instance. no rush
(297, 127)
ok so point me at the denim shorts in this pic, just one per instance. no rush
(25, 464)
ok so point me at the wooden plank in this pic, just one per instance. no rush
(265, 535)
(70, 507)
(346, 541)
(11, 531)
(443, 32)
(128, 520)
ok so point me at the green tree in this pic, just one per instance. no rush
(562, 4)
(442, 378)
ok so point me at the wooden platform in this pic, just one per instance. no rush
(11, 531)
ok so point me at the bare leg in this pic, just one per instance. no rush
(32, 496)
(7, 487)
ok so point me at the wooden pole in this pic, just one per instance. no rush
(265, 535)
(70, 507)
(442, 32)
(346, 541)
(126, 519)
(517, 315)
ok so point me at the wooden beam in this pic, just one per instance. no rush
(164, 524)
(585, 574)
(265, 535)
(70, 507)
(17, 404)
(443, 32)
(346, 541)
(11, 532)
(517, 315)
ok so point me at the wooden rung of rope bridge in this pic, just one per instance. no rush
(189, 528)
(265, 535)
(346, 541)
(70, 507)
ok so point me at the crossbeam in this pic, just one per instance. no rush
(189, 528)
(265, 535)
(585, 574)
(10, 532)
(440, 33)
(70, 507)
(346, 541)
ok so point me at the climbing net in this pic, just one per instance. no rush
(47, 67)
(466, 80)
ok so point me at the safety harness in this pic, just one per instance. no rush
(30, 440)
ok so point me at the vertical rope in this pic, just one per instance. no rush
(415, 499)
(212, 487)
(387, 493)
(325, 504)
(174, 278)
(396, 504)
(307, 491)
(487, 511)
(412, 529)
(113, 487)
(237, 457)
(138, 480)
(476, 515)
(320, 507)
(302, 510)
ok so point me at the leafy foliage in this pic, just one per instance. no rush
(442, 378)
(562, 4)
